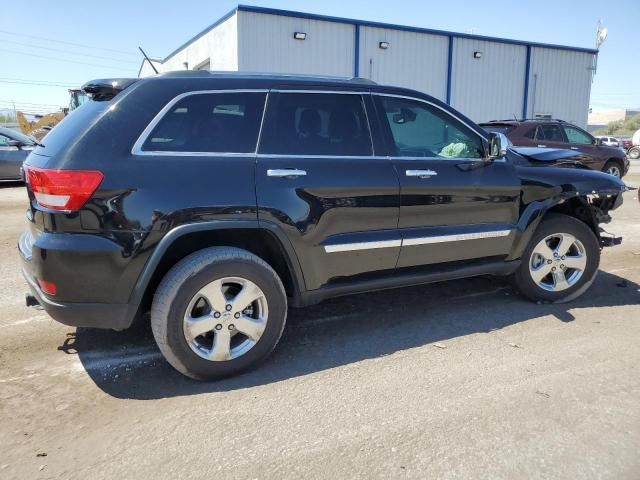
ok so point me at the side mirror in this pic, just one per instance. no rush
(597, 141)
(14, 143)
(498, 144)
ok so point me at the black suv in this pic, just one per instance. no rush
(579, 146)
(215, 201)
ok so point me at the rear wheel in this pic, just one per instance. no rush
(561, 261)
(613, 168)
(634, 153)
(218, 312)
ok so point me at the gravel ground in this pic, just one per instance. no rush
(458, 380)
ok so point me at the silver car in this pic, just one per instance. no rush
(14, 148)
(609, 141)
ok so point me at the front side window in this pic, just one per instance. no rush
(421, 130)
(4, 141)
(209, 122)
(578, 136)
(316, 124)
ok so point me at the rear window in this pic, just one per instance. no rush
(504, 129)
(72, 126)
(211, 122)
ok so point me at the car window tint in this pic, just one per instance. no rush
(316, 124)
(212, 122)
(4, 141)
(577, 136)
(551, 133)
(531, 133)
(421, 130)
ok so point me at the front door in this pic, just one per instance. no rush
(318, 180)
(453, 206)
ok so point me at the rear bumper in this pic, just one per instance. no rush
(115, 316)
(92, 315)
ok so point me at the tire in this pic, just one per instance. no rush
(585, 253)
(613, 168)
(187, 288)
(634, 153)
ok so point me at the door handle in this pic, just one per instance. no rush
(421, 173)
(573, 148)
(542, 146)
(285, 172)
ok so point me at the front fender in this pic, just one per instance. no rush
(544, 188)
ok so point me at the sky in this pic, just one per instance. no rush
(48, 46)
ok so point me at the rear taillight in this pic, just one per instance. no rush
(47, 287)
(62, 189)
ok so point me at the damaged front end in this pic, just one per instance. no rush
(585, 194)
(599, 206)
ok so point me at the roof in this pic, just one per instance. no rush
(366, 23)
(293, 78)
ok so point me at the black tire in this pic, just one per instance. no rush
(613, 168)
(555, 224)
(184, 280)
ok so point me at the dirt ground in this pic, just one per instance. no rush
(458, 380)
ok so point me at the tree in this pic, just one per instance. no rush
(621, 128)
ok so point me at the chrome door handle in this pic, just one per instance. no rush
(286, 172)
(421, 173)
(542, 146)
(573, 148)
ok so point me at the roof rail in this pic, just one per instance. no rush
(363, 80)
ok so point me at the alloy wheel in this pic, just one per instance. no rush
(225, 319)
(558, 262)
(614, 170)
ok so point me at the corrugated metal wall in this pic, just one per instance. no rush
(266, 44)
(220, 45)
(490, 87)
(560, 84)
(413, 60)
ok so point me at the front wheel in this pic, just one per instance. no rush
(218, 312)
(561, 261)
(613, 168)
(634, 153)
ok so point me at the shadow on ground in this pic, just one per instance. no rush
(343, 331)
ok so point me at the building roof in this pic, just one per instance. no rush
(366, 23)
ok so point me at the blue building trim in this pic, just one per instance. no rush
(312, 16)
(356, 50)
(449, 69)
(351, 21)
(527, 69)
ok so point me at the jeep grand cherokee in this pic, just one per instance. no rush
(215, 201)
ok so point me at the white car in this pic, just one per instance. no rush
(609, 141)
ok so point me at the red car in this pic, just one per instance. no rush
(558, 134)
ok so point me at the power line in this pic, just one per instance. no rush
(30, 103)
(63, 60)
(68, 43)
(39, 84)
(68, 52)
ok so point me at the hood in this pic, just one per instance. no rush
(539, 154)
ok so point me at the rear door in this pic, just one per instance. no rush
(451, 206)
(319, 180)
(550, 135)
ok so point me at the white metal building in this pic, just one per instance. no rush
(486, 78)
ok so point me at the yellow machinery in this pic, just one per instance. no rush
(39, 127)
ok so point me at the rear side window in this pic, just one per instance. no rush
(550, 132)
(209, 122)
(316, 124)
(531, 133)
